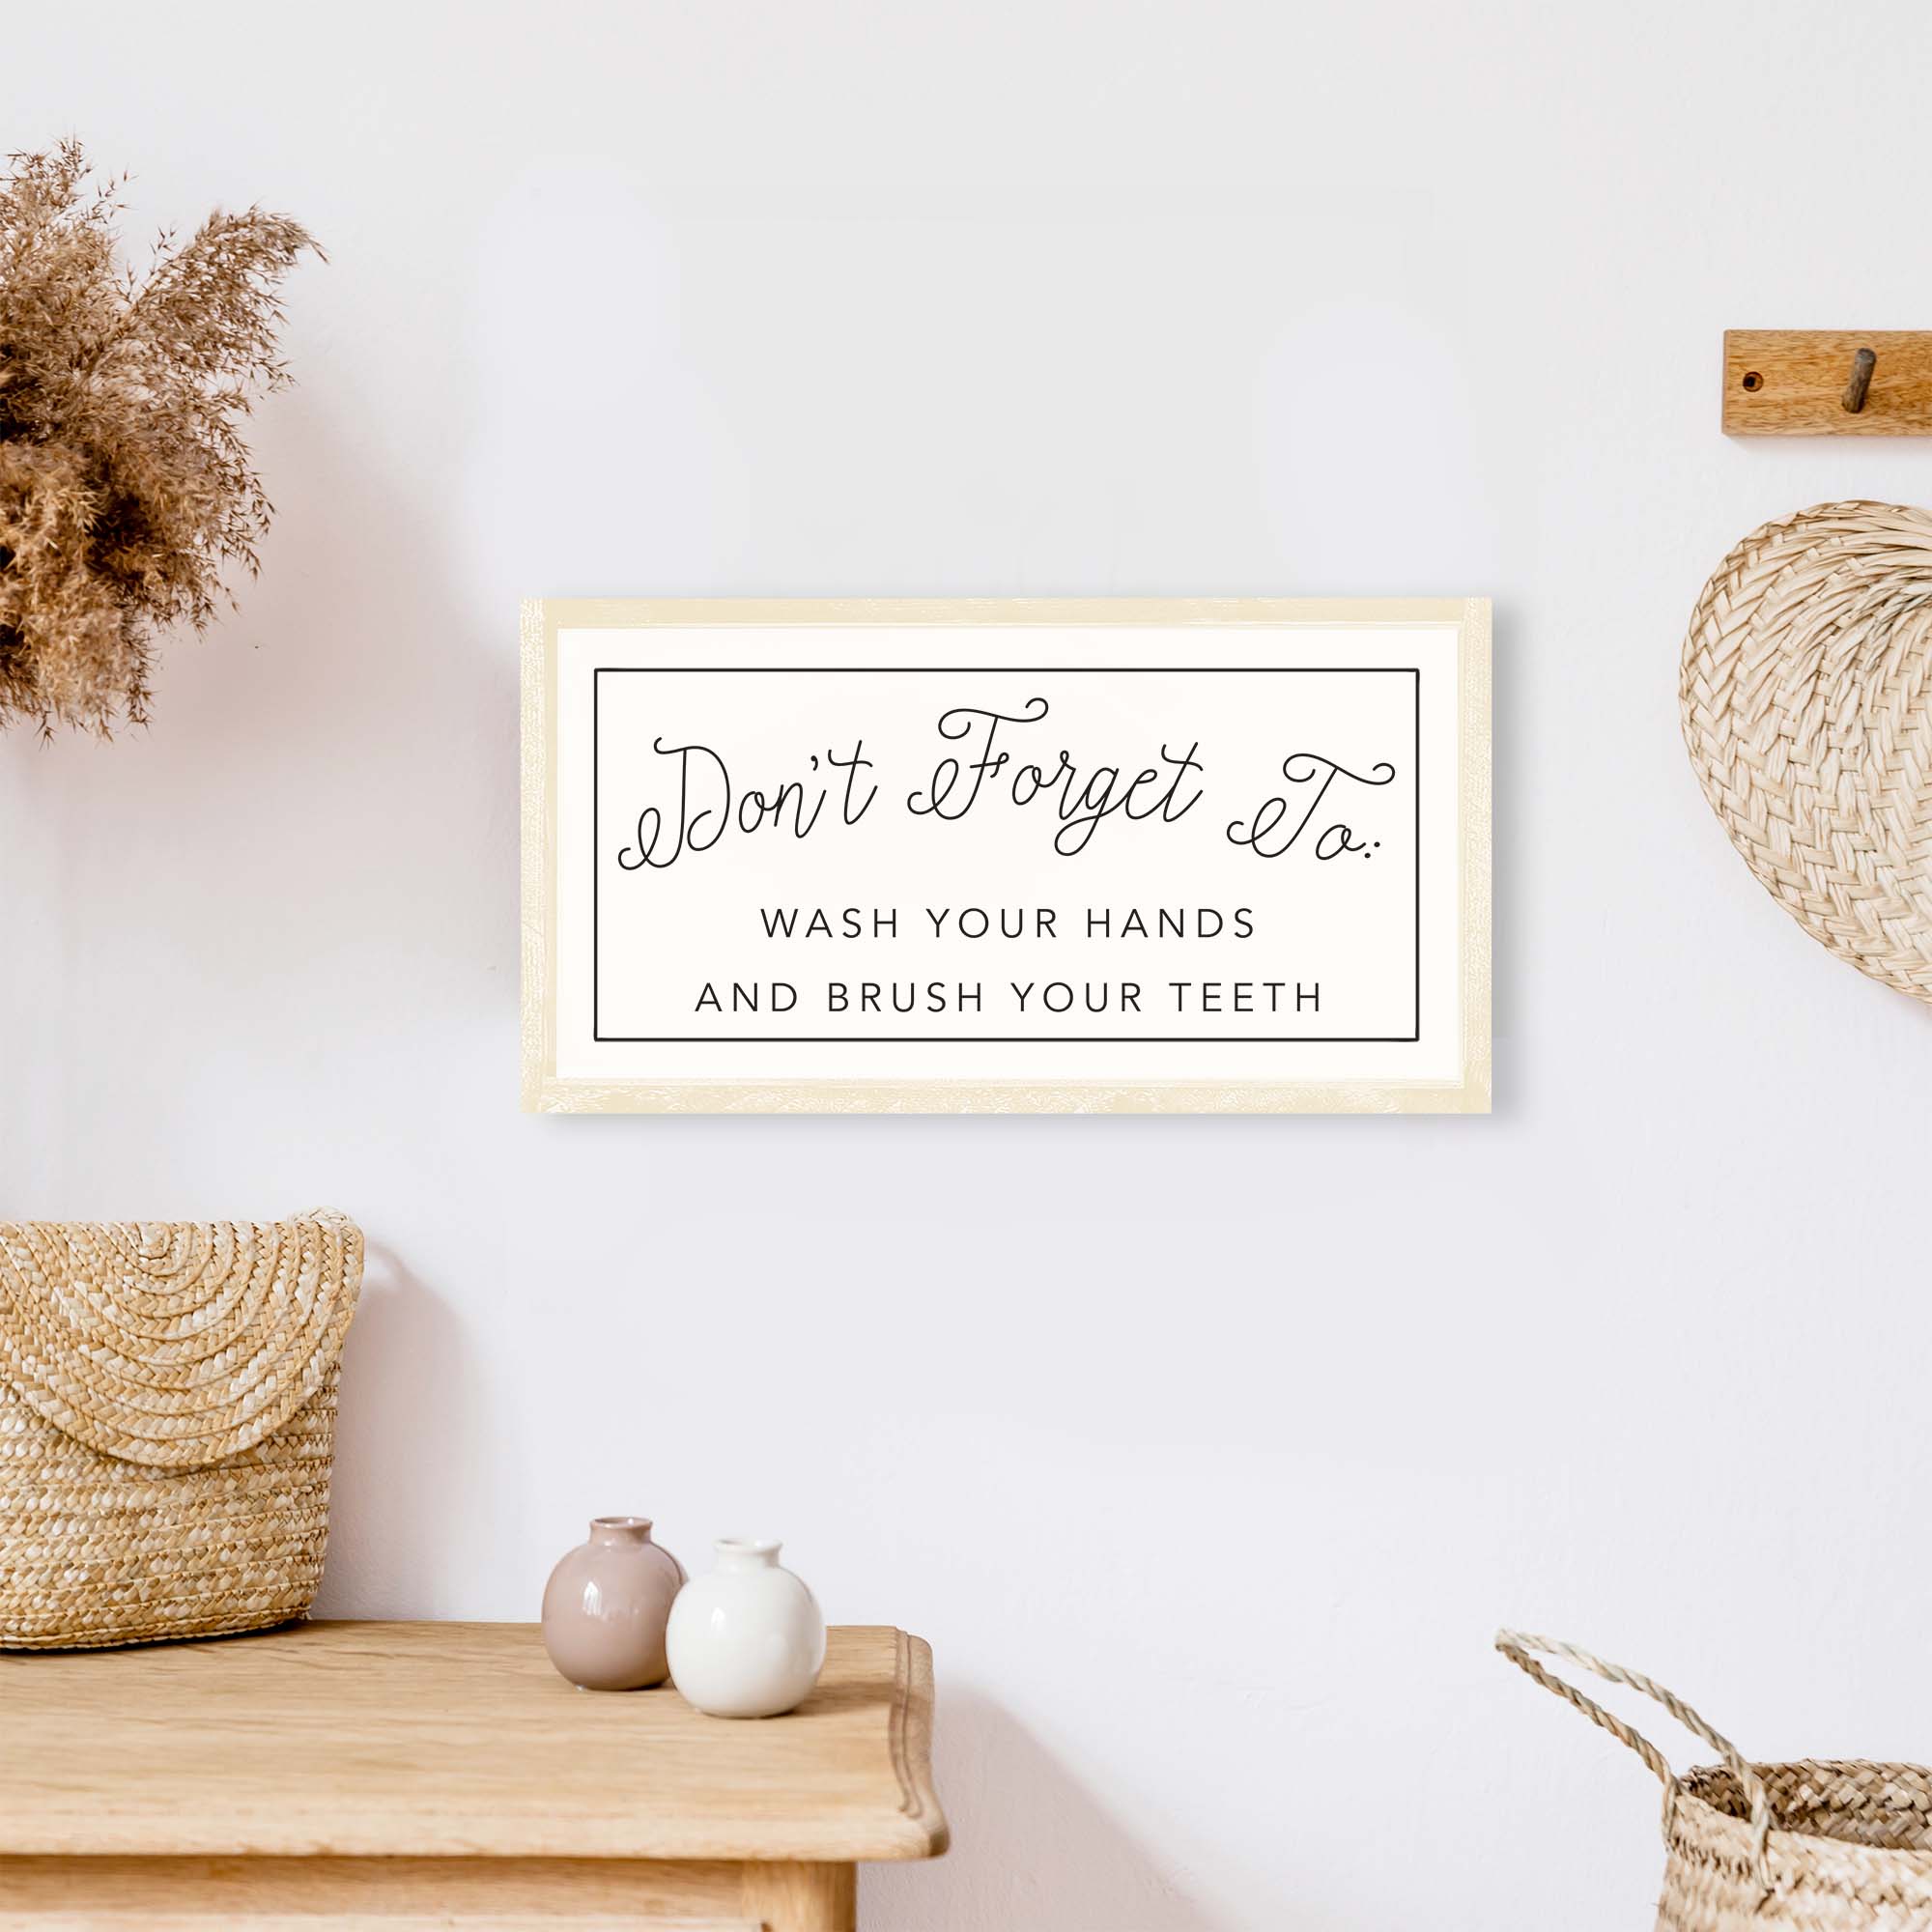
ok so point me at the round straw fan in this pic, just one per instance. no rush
(1807, 696)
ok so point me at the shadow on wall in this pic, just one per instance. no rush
(407, 1441)
(1033, 1850)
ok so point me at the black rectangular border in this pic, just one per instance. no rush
(600, 1038)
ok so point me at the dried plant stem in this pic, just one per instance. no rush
(126, 486)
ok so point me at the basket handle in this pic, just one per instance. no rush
(1517, 1647)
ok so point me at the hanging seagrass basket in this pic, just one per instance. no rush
(167, 1423)
(1808, 1847)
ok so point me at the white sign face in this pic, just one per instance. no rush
(1071, 856)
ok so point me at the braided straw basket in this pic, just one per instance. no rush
(1807, 699)
(167, 1417)
(1759, 1847)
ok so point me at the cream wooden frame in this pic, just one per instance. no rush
(543, 1091)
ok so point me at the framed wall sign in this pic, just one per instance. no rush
(1187, 856)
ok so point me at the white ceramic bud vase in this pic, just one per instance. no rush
(747, 1639)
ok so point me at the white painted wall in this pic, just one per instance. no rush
(1208, 1452)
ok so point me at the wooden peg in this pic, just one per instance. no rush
(1793, 381)
(1859, 387)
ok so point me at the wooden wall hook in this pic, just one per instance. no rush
(1859, 387)
(1828, 382)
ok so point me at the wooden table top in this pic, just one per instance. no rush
(441, 1739)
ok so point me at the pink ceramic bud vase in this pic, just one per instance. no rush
(607, 1603)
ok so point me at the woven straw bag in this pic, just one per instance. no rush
(167, 1418)
(1759, 1847)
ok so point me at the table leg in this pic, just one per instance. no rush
(801, 1898)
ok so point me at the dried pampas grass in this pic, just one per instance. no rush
(125, 485)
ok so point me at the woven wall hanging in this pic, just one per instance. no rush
(1807, 697)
